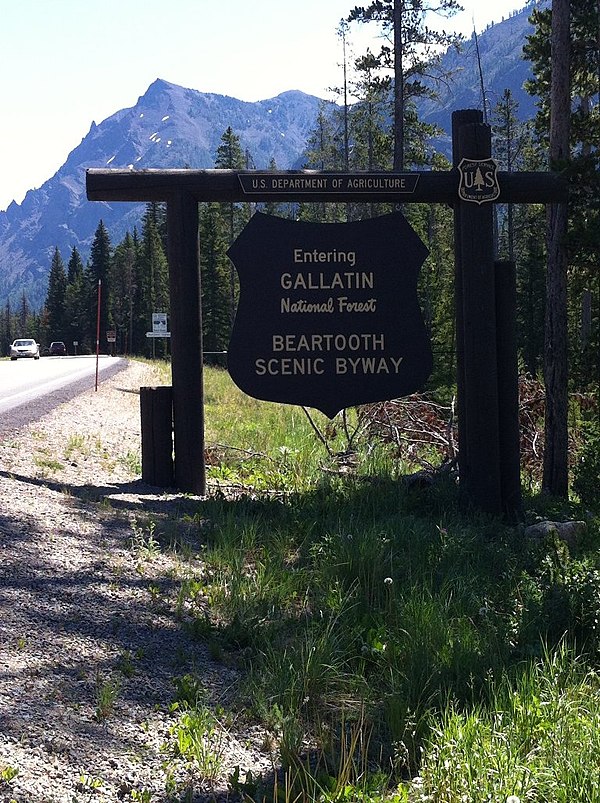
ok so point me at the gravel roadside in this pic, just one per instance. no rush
(90, 638)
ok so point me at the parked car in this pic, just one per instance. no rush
(57, 348)
(24, 347)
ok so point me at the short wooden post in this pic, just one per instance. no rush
(156, 410)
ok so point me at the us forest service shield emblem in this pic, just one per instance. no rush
(478, 180)
(328, 314)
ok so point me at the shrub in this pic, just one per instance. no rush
(586, 474)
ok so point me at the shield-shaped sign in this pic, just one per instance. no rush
(328, 315)
(478, 180)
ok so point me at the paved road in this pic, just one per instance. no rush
(30, 388)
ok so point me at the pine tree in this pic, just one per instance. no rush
(76, 323)
(415, 52)
(56, 297)
(141, 315)
(518, 238)
(434, 224)
(25, 317)
(152, 277)
(371, 142)
(531, 283)
(324, 151)
(569, 108)
(214, 267)
(123, 288)
(98, 288)
(507, 144)
(230, 156)
(278, 208)
(7, 332)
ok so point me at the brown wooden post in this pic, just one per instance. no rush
(480, 467)
(156, 413)
(186, 342)
(508, 388)
(460, 118)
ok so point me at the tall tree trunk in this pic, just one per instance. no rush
(556, 478)
(398, 88)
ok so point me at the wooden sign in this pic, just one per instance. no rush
(310, 182)
(328, 315)
(488, 448)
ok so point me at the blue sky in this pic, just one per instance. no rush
(66, 63)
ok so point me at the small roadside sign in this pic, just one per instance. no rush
(159, 323)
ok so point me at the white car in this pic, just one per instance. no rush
(25, 347)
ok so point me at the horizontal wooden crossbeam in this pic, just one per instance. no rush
(311, 186)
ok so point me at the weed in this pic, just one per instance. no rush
(189, 691)
(155, 594)
(126, 664)
(88, 784)
(140, 795)
(106, 693)
(47, 463)
(537, 737)
(76, 444)
(384, 632)
(143, 540)
(246, 788)
(190, 590)
(132, 462)
(7, 774)
(198, 737)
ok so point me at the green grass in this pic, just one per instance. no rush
(265, 446)
(536, 737)
(47, 463)
(381, 635)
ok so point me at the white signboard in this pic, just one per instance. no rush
(159, 323)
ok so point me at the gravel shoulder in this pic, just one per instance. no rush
(91, 637)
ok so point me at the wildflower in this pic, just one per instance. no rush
(513, 799)
(388, 581)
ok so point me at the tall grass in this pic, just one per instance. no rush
(455, 650)
(537, 737)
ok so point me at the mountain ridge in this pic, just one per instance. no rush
(171, 126)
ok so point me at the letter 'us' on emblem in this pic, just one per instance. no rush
(478, 180)
(328, 313)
